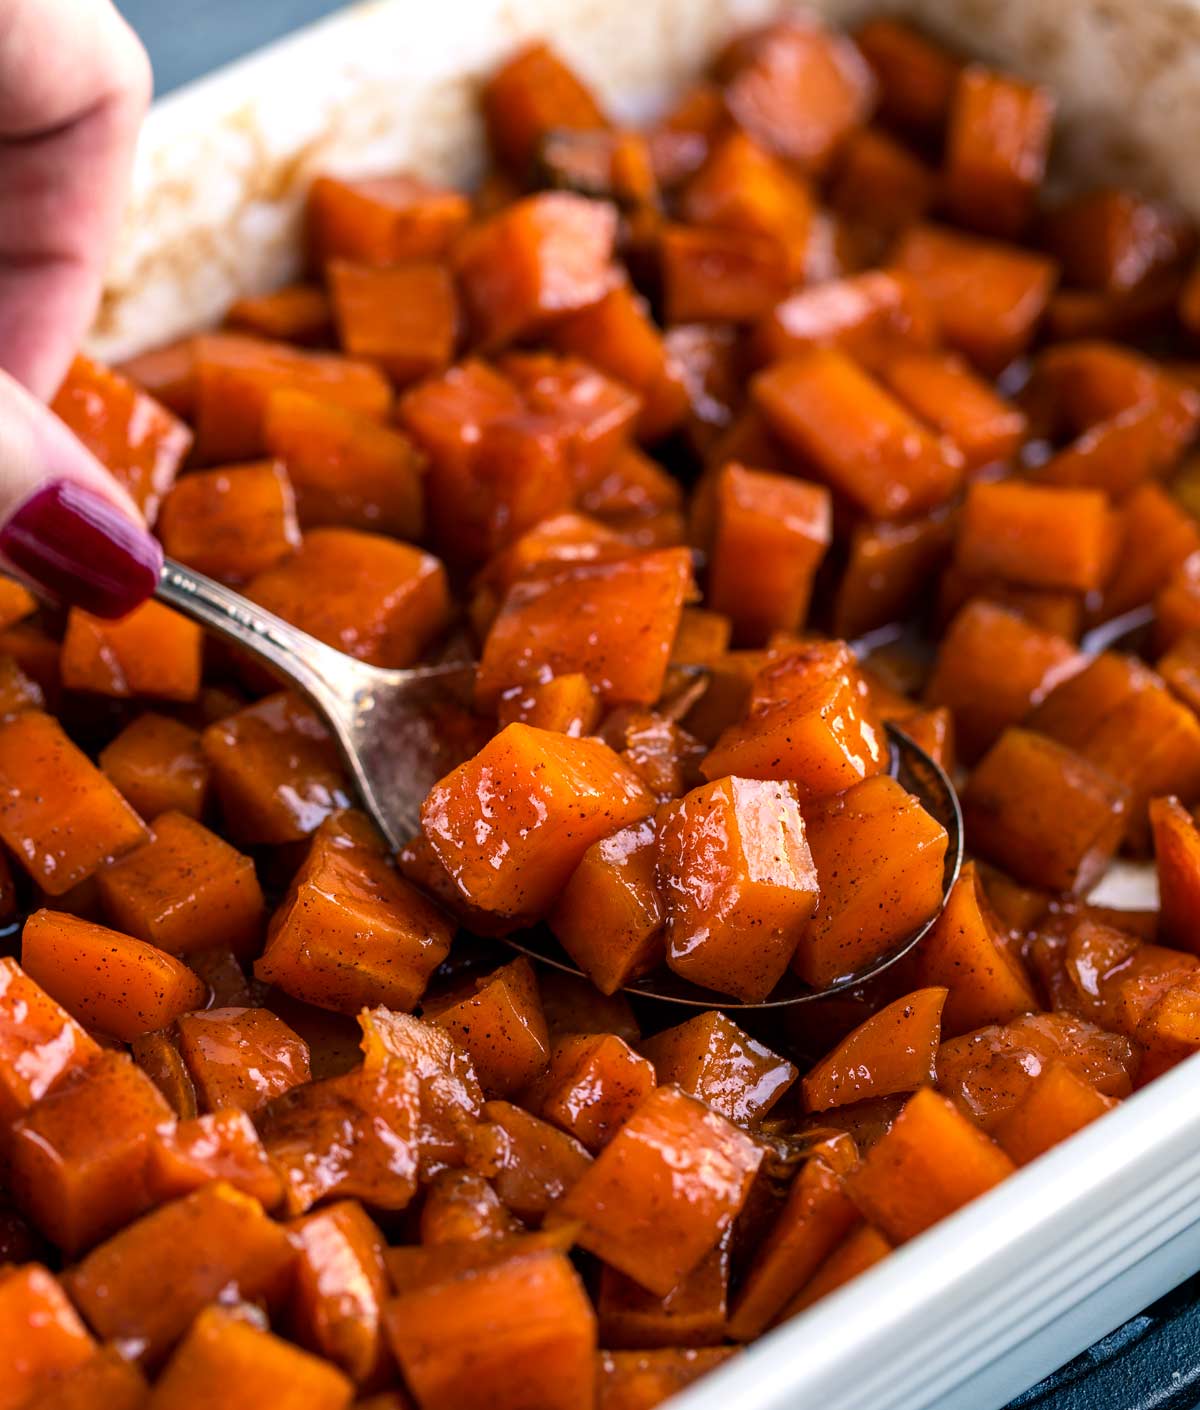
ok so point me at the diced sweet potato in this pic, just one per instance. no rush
(889, 567)
(711, 1058)
(498, 1020)
(79, 1158)
(228, 1360)
(1157, 536)
(40, 1043)
(566, 704)
(941, 389)
(16, 602)
(1180, 669)
(591, 1086)
(59, 815)
(987, 297)
(167, 373)
(152, 651)
(860, 1250)
(915, 75)
(738, 884)
(462, 1207)
(521, 475)
(713, 275)
(881, 184)
(1113, 239)
(530, 1328)
(1038, 535)
(241, 1057)
(691, 1314)
(1169, 1031)
(879, 858)
(383, 219)
(855, 434)
(231, 523)
(293, 313)
(186, 889)
(138, 441)
(664, 1190)
(1177, 605)
(537, 1163)
(158, 766)
(220, 1145)
(41, 1337)
(1177, 861)
(529, 97)
(18, 691)
(276, 770)
(105, 1381)
(107, 980)
(894, 1050)
(371, 597)
(403, 317)
(1058, 1103)
(640, 1380)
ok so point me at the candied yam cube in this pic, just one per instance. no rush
(692, 1314)
(771, 533)
(711, 274)
(1180, 670)
(992, 668)
(665, 757)
(462, 1207)
(80, 1157)
(537, 1164)
(545, 255)
(233, 522)
(151, 651)
(737, 882)
(916, 77)
(711, 1058)
(106, 1381)
(931, 1163)
(895, 1050)
(1058, 1103)
(1082, 384)
(375, 599)
(861, 1249)
(498, 1020)
(638, 1380)
(942, 390)
(1177, 863)
(17, 690)
(881, 183)
(42, 1339)
(879, 861)
(987, 297)
(1177, 605)
(294, 313)
(591, 1086)
(226, 1359)
(1119, 454)
(1037, 535)
(616, 165)
(383, 219)
(888, 569)
(59, 815)
(276, 770)
(351, 931)
(340, 1285)
(186, 889)
(241, 1057)
(40, 1043)
(609, 917)
(529, 97)
(107, 980)
(997, 141)
(566, 704)
(403, 317)
(1157, 536)
(158, 766)
(16, 602)
(1113, 240)
(613, 622)
(166, 372)
(522, 474)
(345, 469)
(856, 435)
(797, 88)
(1043, 812)
(235, 376)
(528, 1323)
(138, 441)
(662, 1193)
(220, 1145)
(1169, 1031)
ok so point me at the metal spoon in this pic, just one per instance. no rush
(386, 724)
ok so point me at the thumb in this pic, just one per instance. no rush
(66, 526)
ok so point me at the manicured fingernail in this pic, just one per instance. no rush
(82, 550)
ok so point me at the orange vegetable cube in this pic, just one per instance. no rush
(17, 690)
(916, 76)
(895, 1050)
(166, 372)
(16, 602)
(138, 441)
(662, 1193)
(709, 1057)
(80, 1156)
(522, 475)
(105, 1381)
(566, 704)
(231, 523)
(1115, 240)
(545, 255)
(881, 183)
(498, 1020)
(931, 1163)
(638, 1380)
(1177, 605)
(530, 1327)
(295, 313)
(1058, 1103)
(1157, 536)
(539, 1163)
(220, 1145)
(1177, 862)
(987, 297)
(462, 1207)
(531, 96)
(276, 770)
(107, 980)
(41, 1337)
(1170, 1030)
(383, 219)
(889, 567)
(609, 917)
(715, 275)
(59, 815)
(1180, 670)
(158, 766)
(942, 390)
(879, 860)
(228, 1360)
(241, 1057)
(772, 532)
(152, 651)
(36, 655)
(856, 435)
(861, 1249)
(691, 1314)
(738, 884)
(403, 317)
(591, 1086)
(186, 889)
(40, 1043)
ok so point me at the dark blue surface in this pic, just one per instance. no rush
(1153, 1361)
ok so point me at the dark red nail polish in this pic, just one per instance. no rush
(82, 550)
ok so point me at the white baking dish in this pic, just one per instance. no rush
(993, 1299)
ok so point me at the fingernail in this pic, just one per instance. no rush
(82, 550)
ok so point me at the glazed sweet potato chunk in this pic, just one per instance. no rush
(709, 1057)
(106, 1381)
(158, 766)
(1169, 1031)
(512, 824)
(153, 651)
(692, 1314)
(860, 1250)
(941, 389)
(1058, 1103)
(664, 1190)
(714, 275)
(107, 980)
(40, 1043)
(41, 1337)
(1177, 861)
(241, 1057)
(1038, 535)
(383, 219)
(61, 834)
(16, 602)
(1114, 240)
(881, 184)
(888, 568)
(378, 600)
(639, 1380)
(295, 313)
(738, 884)
(220, 1145)
(537, 1163)
(879, 861)
(498, 1020)
(895, 1050)
(186, 889)
(915, 75)
(531, 96)
(233, 522)
(591, 1086)
(403, 317)
(1157, 536)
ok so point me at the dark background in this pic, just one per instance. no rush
(1153, 1362)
